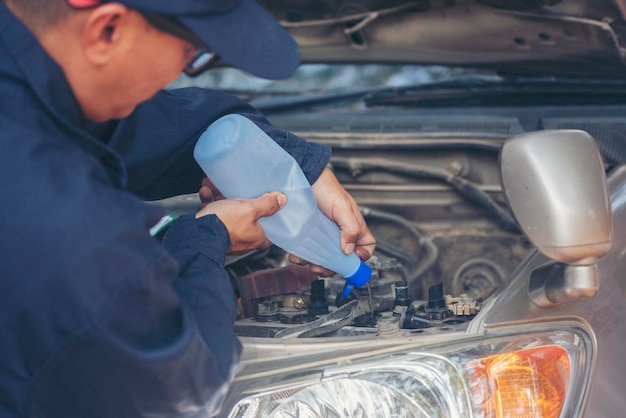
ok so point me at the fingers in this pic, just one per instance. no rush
(350, 228)
(208, 192)
(269, 204)
(319, 270)
(355, 236)
(207, 183)
(365, 247)
(206, 195)
(241, 219)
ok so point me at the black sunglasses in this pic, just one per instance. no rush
(203, 58)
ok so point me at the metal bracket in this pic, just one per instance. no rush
(556, 283)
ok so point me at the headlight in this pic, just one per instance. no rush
(530, 371)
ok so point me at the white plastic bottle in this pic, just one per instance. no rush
(242, 161)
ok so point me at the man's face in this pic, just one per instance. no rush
(114, 59)
(147, 62)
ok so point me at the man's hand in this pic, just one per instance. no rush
(337, 204)
(240, 216)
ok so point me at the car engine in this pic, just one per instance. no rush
(445, 237)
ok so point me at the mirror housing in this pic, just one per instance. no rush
(555, 184)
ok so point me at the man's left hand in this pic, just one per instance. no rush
(340, 207)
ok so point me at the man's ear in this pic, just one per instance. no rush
(104, 32)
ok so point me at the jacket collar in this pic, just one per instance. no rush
(44, 79)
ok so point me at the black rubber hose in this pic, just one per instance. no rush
(426, 244)
(465, 187)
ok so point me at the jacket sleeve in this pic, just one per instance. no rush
(163, 347)
(156, 142)
(199, 246)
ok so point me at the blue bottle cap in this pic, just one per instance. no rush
(358, 279)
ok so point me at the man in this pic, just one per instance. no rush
(97, 318)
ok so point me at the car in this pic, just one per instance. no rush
(484, 143)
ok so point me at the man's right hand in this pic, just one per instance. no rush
(240, 216)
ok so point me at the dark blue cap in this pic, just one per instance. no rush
(241, 32)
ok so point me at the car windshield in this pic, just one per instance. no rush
(320, 78)
(371, 85)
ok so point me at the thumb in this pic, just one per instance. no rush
(270, 203)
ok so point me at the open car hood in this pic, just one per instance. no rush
(578, 38)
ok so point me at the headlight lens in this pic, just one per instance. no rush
(528, 372)
(406, 389)
(524, 383)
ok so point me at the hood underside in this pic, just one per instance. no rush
(582, 38)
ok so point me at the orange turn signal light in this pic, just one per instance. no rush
(527, 383)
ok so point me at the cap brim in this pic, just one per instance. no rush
(248, 37)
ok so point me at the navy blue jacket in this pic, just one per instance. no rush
(97, 318)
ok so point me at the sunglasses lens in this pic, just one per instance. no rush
(201, 62)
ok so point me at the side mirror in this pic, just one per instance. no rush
(555, 184)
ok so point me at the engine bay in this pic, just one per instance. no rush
(445, 241)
